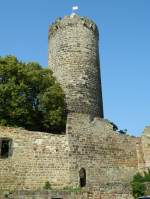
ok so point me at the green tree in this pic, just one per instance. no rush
(30, 97)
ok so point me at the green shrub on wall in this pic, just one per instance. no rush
(138, 184)
(47, 186)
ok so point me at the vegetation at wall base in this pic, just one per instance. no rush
(138, 184)
(47, 186)
(30, 97)
(72, 189)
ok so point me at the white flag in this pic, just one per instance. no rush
(75, 8)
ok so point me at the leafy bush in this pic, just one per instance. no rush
(123, 132)
(30, 97)
(47, 185)
(138, 183)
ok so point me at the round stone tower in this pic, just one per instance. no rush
(74, 59)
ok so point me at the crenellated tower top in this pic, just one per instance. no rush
(74, 20)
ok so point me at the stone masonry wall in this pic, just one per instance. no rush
(36, 158)
(110, 159)
(74, 59)
(62, 195)
(146, 147)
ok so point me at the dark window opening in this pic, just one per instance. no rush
(82, 175)
(57, 198)
(5, 147)
(144, 197)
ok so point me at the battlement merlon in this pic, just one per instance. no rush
(61, 23)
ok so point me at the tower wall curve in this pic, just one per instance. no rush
(74, 59)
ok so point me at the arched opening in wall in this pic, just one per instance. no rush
(82, 176)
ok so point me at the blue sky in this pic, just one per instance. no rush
(124, 27)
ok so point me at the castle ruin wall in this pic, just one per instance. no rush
(36, 158)
(109, 158)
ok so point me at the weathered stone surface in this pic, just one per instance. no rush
(146, 147)
(63, 195)
(36, 158)
(109, 158)
(74, 59)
